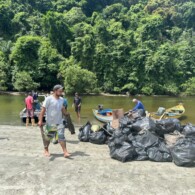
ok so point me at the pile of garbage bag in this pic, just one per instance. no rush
(90, 133)
(142, 138)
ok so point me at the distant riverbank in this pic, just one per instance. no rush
(99, 94)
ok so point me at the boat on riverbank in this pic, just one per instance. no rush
(104, 116)
(173, 112)
(23, 113)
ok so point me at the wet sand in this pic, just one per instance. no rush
(24, 169)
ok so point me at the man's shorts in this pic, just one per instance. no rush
(30, 113)
(77, 108)
(55, 132)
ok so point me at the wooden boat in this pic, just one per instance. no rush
(174, 112)
(103, 118)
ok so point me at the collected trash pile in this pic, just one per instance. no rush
(141, 138)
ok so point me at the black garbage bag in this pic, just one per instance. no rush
(144, 124)
(126, 130)
(123, 152)
(166, 126)
(189, 130)
(159, 153)
(118, 137)
(109, 130)
(125, 122)
(97, 137)
(84, 132)
(183, 152)
(142, 142)
(138, 114)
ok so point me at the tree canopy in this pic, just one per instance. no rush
(115, 46)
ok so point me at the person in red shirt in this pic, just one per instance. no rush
(29, 109)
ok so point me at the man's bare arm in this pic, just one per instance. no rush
(64, 111)
(42, 113)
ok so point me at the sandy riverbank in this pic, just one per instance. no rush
(24, 170)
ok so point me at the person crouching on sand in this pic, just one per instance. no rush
(54, 108)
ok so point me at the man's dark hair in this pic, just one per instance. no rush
(56, 87)
(30, 93)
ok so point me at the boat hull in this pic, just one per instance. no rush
(101, 118)
(23, 116)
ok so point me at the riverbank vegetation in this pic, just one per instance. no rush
(115, 46)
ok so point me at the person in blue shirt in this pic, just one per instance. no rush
(65, 103)
(139, 105)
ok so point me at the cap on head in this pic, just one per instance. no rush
(76, 93)
(134, 100)
(56, 87)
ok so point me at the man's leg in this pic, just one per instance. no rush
(45, 143)
(27, 118)
(27, 121)
(32, 117)
(61, 140)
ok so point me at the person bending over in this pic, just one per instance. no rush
(139, 105)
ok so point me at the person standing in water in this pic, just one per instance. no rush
(54, 108)
(77, 105)
(29, 109)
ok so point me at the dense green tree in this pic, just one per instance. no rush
(3, 70)
(79, 80)
(139, 46)
(24, 82)
(37, 57)
(6, 16)
(56, 29)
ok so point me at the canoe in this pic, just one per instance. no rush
(103, 118)
(174, 112)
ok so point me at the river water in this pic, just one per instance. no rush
(10, 106)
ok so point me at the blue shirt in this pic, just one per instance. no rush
(65, 104)
(138, 106)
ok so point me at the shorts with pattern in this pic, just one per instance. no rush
(55, 132)
(30, 113)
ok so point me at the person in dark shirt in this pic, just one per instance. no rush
(36, 101)
(77, 105)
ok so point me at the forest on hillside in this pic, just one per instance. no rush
(139, 46)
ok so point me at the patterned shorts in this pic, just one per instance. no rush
(30, 113)
(55, 132)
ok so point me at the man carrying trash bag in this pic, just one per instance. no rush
(54, 108)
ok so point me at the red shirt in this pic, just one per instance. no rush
(29, 102)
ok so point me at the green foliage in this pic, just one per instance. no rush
(37, 57)
(79, 80)
(6, 16)
(189, 86)
(23, 82)
(139, 46)
(57, 30)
